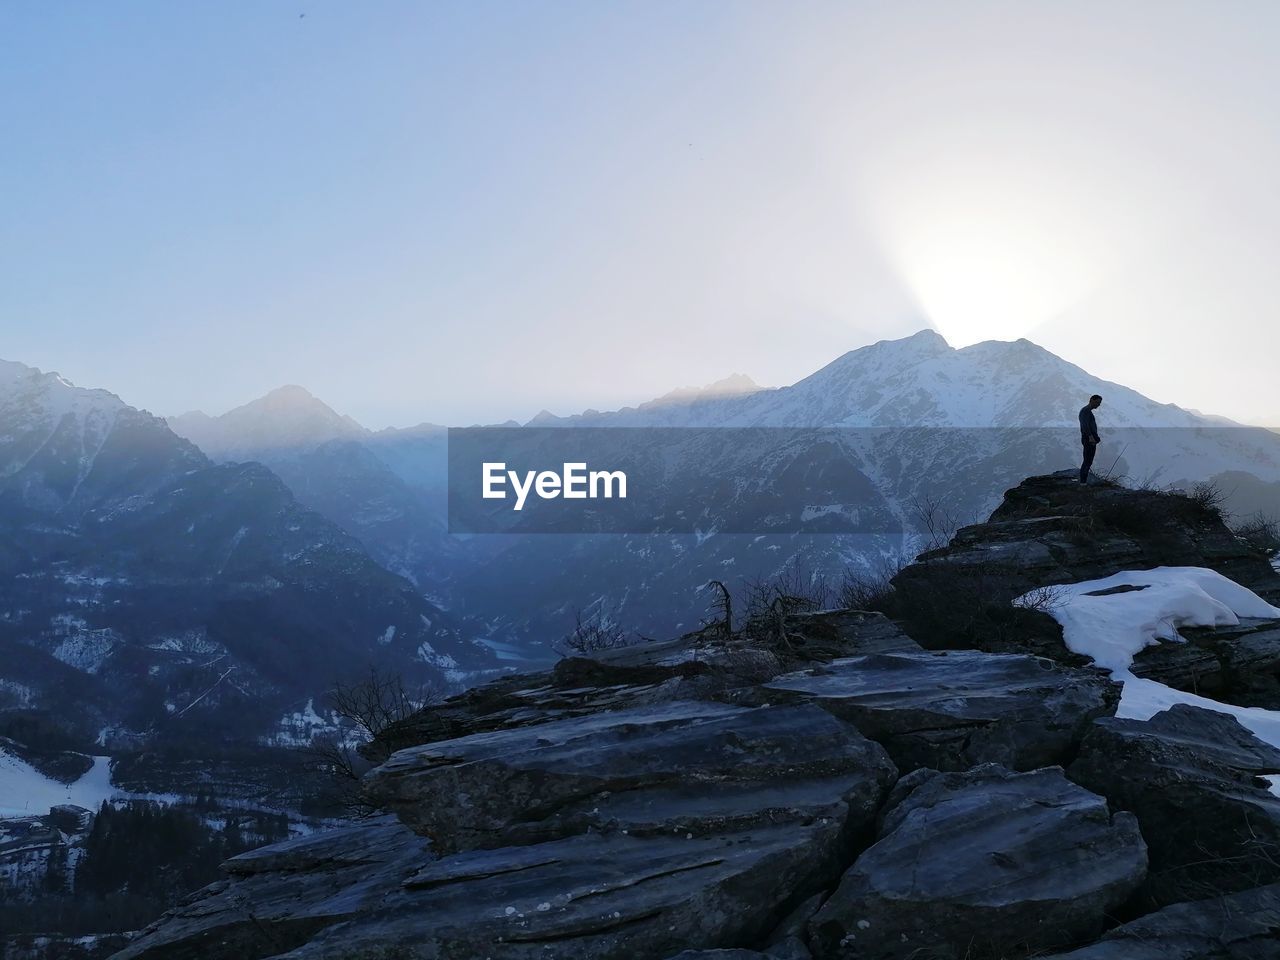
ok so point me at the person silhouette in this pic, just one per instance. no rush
(1089, 438)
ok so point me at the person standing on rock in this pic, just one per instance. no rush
(1089, 435)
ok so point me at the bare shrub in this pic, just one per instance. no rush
(1261, 531)
(934, 520)
(1046, 599)
(795, 590)
(1208, 497)
(868, 590)
(364, 708)
(721, 608)
(592, 634)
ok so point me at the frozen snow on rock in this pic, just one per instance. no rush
(1114, 626)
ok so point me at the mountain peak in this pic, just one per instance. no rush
(734, 385)
(290, 393)
(290, 419)
(926, 341)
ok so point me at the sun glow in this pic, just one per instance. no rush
(982, 280)
(989, 257)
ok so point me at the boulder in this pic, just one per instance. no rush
(1239, 664)
(987, 863)
(1193, 778)
(955, 710)
(686, 767)
(1239, 926)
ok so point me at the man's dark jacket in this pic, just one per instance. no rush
(1088, 425)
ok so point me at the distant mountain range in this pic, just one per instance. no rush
(213, 573)
(934, 406)
(149, 591)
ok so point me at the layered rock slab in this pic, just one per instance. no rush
(1194, 779)
(955, 710)
(687, 767)
(631, 833)
(588, 897)
(987, 863)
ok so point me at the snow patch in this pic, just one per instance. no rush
(1112, 628)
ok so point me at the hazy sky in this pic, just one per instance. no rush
(469, 211)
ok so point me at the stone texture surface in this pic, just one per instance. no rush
(988, 863)
(1192, 777)
(686, 767)
(281, 896)
(1239, 926)
(954, 710)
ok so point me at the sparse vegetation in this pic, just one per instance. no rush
(366, 708)
(721, 620)
(1046, 599)
(1208, 497)
(870, 590)
(1261, 531)
(593, 634)
(935, 521)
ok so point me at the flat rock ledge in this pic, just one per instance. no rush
(955, 710)
(687, 767)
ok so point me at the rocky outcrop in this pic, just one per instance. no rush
(1239, 926)
(988, 863)
(812, 785)
(1193, 778)
(1052, 530)
(955, 710)
(626, 833)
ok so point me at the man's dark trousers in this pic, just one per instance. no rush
(1090, 448)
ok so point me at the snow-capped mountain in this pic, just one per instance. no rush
(149, 591)
(918, 381)
(904, 423)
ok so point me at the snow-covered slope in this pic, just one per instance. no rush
(64, 449)
(26, 792)
(918, 381)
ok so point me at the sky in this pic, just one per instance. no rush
(464, 212)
